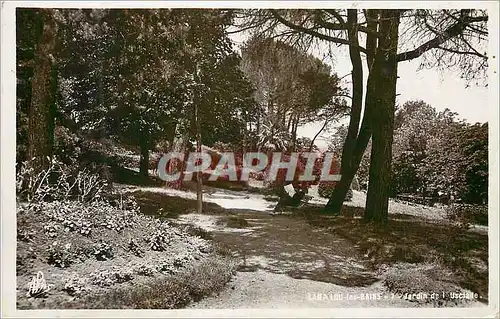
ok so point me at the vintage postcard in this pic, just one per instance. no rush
(249, 159)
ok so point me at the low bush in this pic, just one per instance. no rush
(108, 278)
(158, 241)
(67, 208)
(103, 251)
(75, 286)
(198, 231)
(467, 214)
(424, 283)
(60, 255)
(57, 182)
(146, 270)
(237, 222)
(205, 278)
(134, 248)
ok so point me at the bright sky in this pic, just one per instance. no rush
(440, 89)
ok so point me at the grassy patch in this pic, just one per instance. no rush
(127, 176)
(434, 282)
(223, 249)
(205, 278)
(161, 205)
(197, 231)
(248, 268)
(92, 250)
(468, 214)
(233, 222)
(411, 240)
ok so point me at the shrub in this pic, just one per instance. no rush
(425, 278)
(113, 223)
(89, 185)
(179, 261)
(134, 248)
(146, 270)
(465, 214)
(222, 250)
(167, 268)
(75, 286)
(79, 226)
(126, 203)
(123, 275)
(110, 277)
(82, 218)
(168, 293)
(211, 275)
(101, 279)
(32, 185)
(67, 144)
(51, 229)
(60, 256)
(325, 189)
(197, 231)
(103, 251)
(57, 182)
(158, 241)
(25, 235)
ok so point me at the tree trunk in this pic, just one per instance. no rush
(339, 193)
(196, 98)
(384, 71)
(317, 134)
(144, 165)
(349, 165)
(371, 16)
(295, 125)
(199, 191)
(171, 134)
(257, 125)
(289, 123)
(357, 91)
(40, 134)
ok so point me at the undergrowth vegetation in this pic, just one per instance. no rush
(208, 277)
(410, 244)
(78, 245)
(467, 214)
(58, 181)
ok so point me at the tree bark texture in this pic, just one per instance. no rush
(384, 71)
(40, 126)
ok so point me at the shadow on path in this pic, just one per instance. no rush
(289, 245)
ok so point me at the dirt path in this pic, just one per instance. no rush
(285, 262)
(264, 289)
(284, 244)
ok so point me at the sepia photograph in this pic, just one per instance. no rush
(217, 158)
